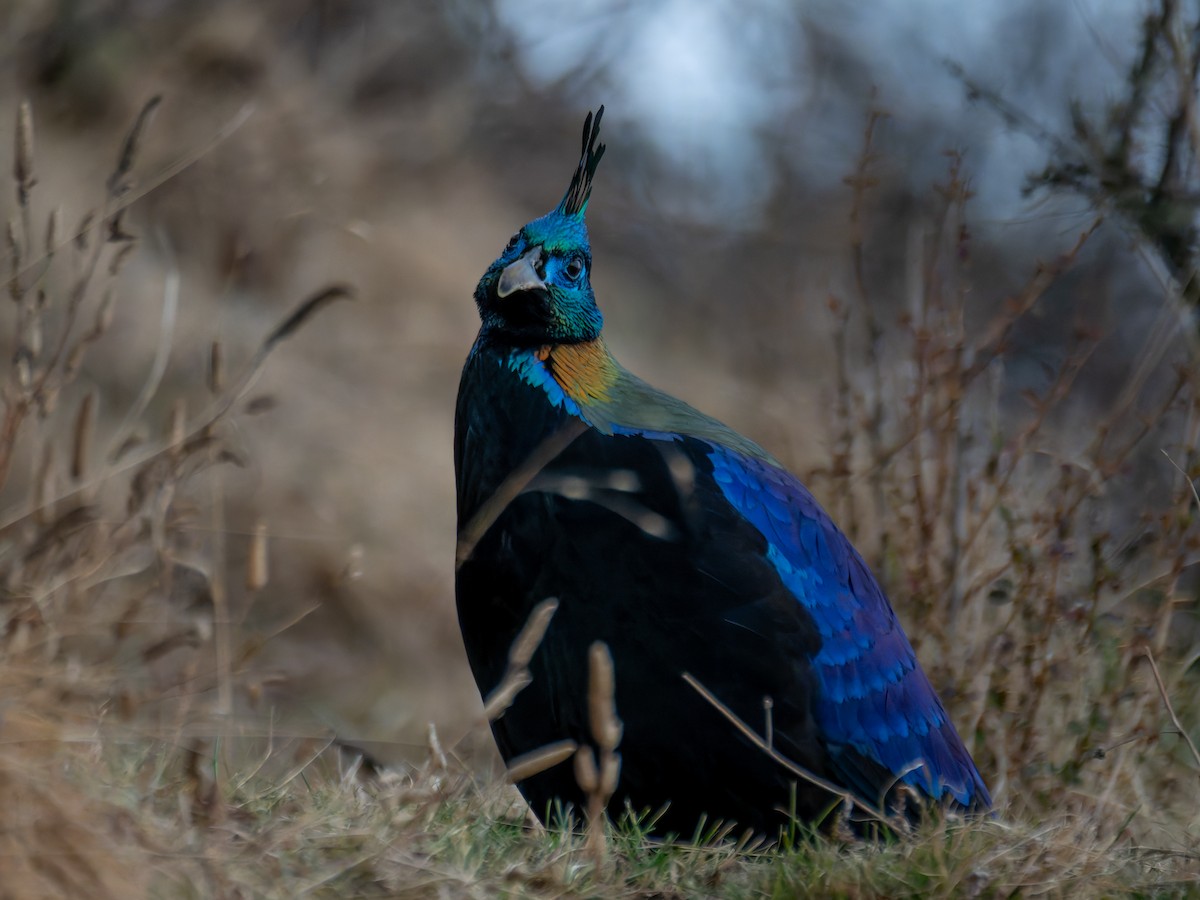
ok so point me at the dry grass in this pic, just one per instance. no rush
(134, 757)
(112, 611)
(1036, 587)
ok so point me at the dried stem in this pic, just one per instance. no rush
(766, 747)
(1162, 692)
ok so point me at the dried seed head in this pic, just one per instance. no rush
(74, 360)
(33, 336)
(516, 676)
(202, 629)
(610, 772)
(84, 423)
(83, 231)
(609, 735)
(18, 637)
(502, 697)
(118, 181)
(606, 728)
(23, 368)
(177, 427)
(531, 635)
(585, 771)
(256, 561)
(258, 405)
(216, 377)
(52, 230)
(23, 160)
(43, 487)
(537, 761)
(304, 312)
(15, 261)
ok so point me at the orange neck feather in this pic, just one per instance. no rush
(586, 372)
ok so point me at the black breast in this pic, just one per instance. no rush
(643, 552)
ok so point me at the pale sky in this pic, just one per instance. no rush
(703, 78)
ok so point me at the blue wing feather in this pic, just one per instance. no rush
(874, 699)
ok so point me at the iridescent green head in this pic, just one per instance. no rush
(539, 290)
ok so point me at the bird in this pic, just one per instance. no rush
(760, 674)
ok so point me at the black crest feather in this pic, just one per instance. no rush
(580, 191)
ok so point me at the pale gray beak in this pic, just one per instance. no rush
(521, 275)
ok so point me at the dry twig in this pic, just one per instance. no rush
(763, 745)
(1162, 692)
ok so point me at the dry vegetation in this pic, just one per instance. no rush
(1041, 544)
(124, 771)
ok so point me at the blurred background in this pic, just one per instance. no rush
(395, 147)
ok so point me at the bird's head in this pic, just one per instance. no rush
(539, 290)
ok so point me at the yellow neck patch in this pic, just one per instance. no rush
(585, 372)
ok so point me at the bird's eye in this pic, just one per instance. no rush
(512, 243)
(575, 268)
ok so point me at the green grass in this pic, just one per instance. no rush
(322, 828)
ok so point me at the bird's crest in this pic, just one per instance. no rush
(576, 200)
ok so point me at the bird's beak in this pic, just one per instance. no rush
(521, 275)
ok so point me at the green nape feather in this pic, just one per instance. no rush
(613, 400)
